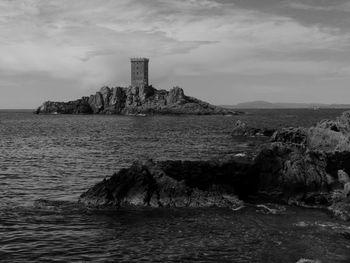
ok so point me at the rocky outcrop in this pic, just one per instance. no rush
(243, 129)
(297, 175)
(80, 106)
(299, 166)
(308, 166)
(132, 101)
(291, 135)
(171, 184)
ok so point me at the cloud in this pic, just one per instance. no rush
(62, 42)
(341, 6)
(88, 43)
(54, 36)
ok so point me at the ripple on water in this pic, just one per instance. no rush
(58, 157)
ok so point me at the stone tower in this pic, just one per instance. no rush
(139, 72)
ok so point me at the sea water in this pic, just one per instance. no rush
(54, 158)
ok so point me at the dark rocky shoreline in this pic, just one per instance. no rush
(133, 101)
(299, 166)
(171, 184)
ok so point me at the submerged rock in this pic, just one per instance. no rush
(134, 100)
(341, 209)
(242, 129)
(304, 260)
(171, 184)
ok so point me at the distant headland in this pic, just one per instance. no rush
(286, 105)
(137, 99)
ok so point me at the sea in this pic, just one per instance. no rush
(47, 161)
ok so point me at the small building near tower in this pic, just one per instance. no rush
(139, 72)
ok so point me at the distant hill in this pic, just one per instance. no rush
(287, 105)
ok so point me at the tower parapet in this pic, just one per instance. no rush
(139, 72)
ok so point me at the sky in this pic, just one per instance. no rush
(220, 51)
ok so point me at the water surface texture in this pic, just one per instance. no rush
(57, 157)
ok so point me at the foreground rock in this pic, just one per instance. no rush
(294, 136)
(133, 101)
(308, 167)
(294, 174)
(171, 184)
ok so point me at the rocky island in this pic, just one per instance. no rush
(133, 101)
(138, 99)
(299, 166)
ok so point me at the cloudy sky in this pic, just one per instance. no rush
(221, 51)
